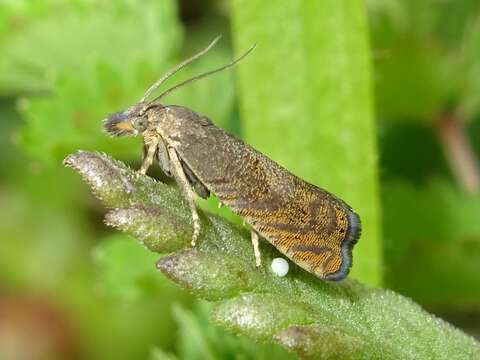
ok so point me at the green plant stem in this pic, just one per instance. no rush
(313, 318)
(306, 102)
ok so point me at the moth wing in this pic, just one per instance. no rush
(314, 229)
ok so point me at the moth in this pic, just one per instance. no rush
(312, 227)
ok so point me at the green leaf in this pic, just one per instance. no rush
(306, 102)
(96, 60)
(302, 313)
(126, 267)
(440, 246)
(159, 354)
(80, 34)
(200, 339)
(470, 103)
(427, 61)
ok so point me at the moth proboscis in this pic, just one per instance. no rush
(312, 227)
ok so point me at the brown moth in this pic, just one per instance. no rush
(312, 227)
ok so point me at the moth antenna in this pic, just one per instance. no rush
(198, 77)
(178, 67)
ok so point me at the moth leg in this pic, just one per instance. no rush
(179, 174)
(151, 146)
(256, 250)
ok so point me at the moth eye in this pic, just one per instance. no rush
(140, 124)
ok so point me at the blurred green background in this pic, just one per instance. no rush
(76, 289)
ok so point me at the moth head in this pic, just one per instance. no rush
(134, 120)
(131, 122)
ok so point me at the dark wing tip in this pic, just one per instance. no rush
(352, 235)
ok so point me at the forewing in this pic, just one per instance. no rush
(313, 228)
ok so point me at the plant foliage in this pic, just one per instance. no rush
(315, 319)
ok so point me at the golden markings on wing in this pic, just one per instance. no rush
(309, 228)
(304, 222)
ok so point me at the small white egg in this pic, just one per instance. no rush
(279, 266)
